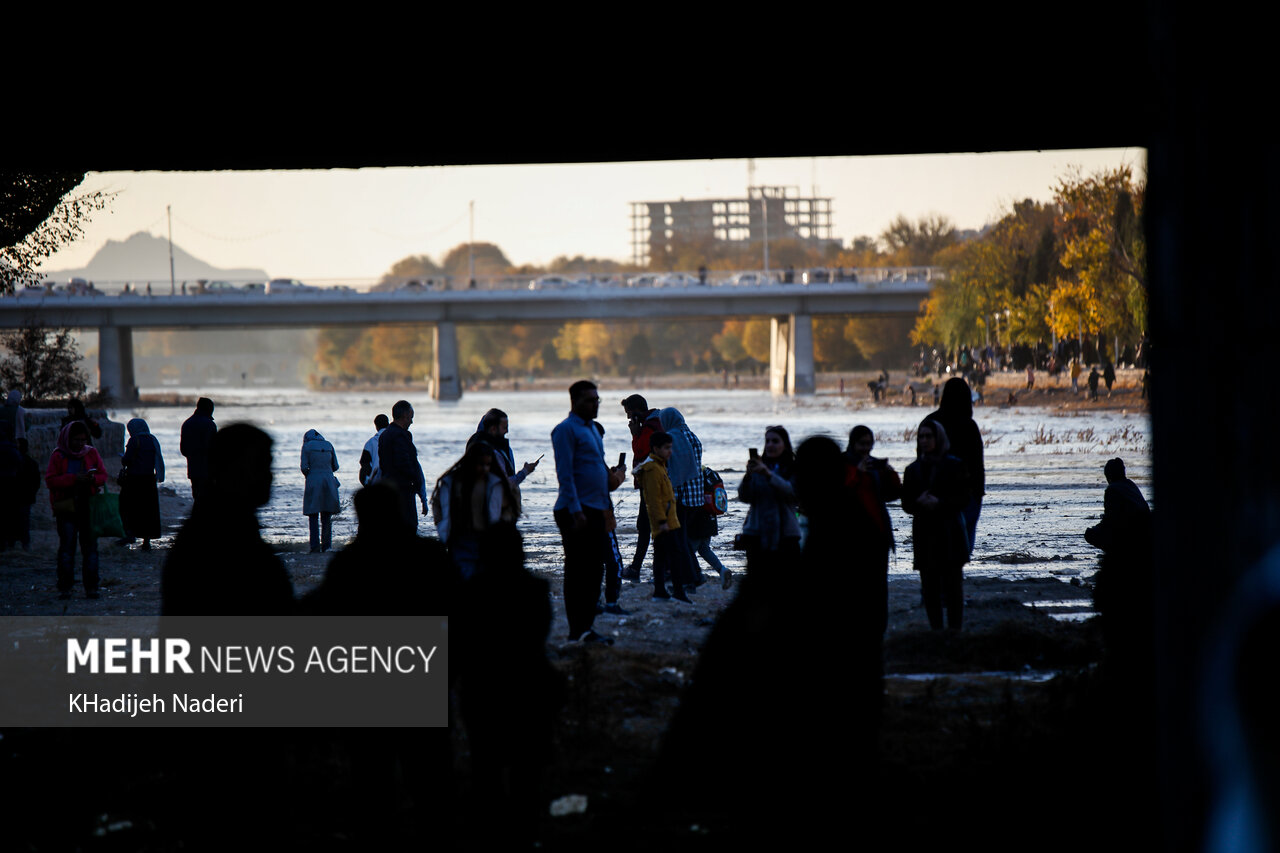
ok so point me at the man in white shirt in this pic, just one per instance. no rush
(369, 470)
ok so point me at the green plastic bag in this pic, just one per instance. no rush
(104, 515)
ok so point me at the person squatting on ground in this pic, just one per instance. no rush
(320, 496)
(660, 502)
(195, 440)
(469, 502)
(219, 565)
(582, 501)
(771, 530)
(685, 471)
(643, 422)
(398, 460)
(369, 470)
(75, 472)
(955, 413)
(142, 467)
(934, 493)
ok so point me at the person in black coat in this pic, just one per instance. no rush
(935, 492)
(219, 565)
(195, 442)
(955, 413)
(398, 461)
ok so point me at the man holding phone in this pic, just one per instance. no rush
(581, 506)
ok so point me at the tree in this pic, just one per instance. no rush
(38, 216)
(489, 260)
(43, 362)
(917, 244)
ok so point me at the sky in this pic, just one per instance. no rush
(328, 226)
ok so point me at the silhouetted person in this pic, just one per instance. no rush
(369, 469)
(10, 486)
(509, 694)
(736, 734)
(955, 413)
(76, 413)
(868, 539)
(219, 565)
(1123, 592)
(643, 422)
(387, 570)
(934, 492)
(398, 459)
(142, 467)
(196, 439)
(76, 471)
(492, 430)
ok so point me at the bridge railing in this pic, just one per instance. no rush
(813, 276)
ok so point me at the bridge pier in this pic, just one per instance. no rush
(791, 369)
(115, 364)
(447, 379)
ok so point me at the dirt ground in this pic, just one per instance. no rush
(978, 714)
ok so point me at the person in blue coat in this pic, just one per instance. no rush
(320, 498)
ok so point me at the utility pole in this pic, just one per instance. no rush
(168, 210)
(764, 202)
(471, 246)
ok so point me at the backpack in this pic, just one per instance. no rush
(715, 498)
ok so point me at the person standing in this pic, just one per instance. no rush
(10, 487)
(398, 461)
(1108, 375)
(141, 469)
(469, 503)
(14, 416)
(76, 412)
(685, 471)
(320, 496)
(872, 483)
(195, 440)
(75, 472)
(660, 501)
(1094, 376)
(369, 470)
(955, 413)
(934, 493)
(492, 430)
(643, 422)
(771, 531)
(580, 509)
(1076, 370)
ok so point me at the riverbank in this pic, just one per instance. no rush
(982, 705)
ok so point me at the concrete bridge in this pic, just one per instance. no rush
(791, 308)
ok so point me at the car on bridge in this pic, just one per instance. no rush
(641, 281)
(255, 287)
(289, 285)
(747, 279)
(551, 282)
(676, 279)
(816, 276)
(216, 287)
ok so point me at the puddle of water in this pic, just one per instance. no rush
(1032, 675)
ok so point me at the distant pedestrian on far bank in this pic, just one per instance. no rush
(1108, 375)
(320, 495)
(196, 439)
(1094, 376)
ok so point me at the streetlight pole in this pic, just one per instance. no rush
(764, 202)
(471, 246)
(168, 210)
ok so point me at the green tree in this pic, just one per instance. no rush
(489, 260)
(38, 216)
(43, 362)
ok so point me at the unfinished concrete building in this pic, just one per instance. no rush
(782, 210)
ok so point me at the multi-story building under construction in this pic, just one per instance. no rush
(765, 215)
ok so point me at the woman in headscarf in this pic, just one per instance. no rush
(771, 531)
(873, 482)
(934, 492)
(684, 469)
(469, 501)
(320, 497)
(75, 472)
(143, 467)
(955, 413)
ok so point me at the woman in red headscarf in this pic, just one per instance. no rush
(75, 472)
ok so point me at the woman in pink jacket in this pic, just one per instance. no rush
(75, 472)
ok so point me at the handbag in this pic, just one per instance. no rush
(104, 515)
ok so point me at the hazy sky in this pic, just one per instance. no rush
(325, 226)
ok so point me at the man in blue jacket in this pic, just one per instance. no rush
(582, 507)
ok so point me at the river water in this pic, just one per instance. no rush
(1044, 467)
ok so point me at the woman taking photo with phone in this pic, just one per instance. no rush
(771, 532)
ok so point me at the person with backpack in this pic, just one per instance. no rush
(703, 526)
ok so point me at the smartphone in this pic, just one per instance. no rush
(539, 459)
(754, 454)
(622, 460)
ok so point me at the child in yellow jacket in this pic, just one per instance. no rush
(670, 550)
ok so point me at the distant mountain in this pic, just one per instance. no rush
(145, 257)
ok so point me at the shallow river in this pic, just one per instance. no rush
(1044, 468)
